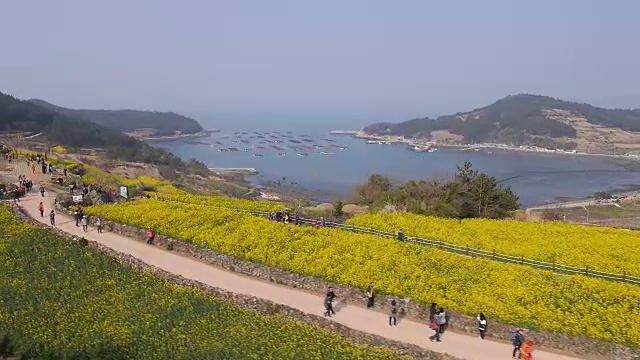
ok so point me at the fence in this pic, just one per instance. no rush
(457, 249)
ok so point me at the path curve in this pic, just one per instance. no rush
(355, 317)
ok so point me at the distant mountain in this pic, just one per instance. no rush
(27, 118)
(134, 122)
(527, 119)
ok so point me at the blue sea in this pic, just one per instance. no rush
(535, 178)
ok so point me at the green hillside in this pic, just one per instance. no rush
(19, 116)
(164, 123)
(518, 119)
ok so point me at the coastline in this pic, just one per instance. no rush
(475, 147)
(199, 134)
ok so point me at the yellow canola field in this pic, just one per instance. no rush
(604, 249)
(224, 202)
(513, 294)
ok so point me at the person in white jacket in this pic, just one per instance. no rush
(439, 326)
(482, 325)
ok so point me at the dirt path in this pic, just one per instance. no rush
(356, 317)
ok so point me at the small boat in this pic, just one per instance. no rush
(325, 153)
(302, 154)
(258, 155)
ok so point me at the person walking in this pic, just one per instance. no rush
(79, 216)
(99, 224)
(433, 310)
(517, 339)
(151, 236)
(482, 325)
(370, 295)
(328, 302)
(401, 235)
(52, 218)
(41, 208)
(439, 326)
(527, 350)
(393, 314)
(85, 223)
(42, 190)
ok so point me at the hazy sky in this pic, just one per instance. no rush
(384, 59)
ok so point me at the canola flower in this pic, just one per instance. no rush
(605, 249)
(60, 300)
(509, 293)
(224, 202)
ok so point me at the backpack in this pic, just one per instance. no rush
(515, 338)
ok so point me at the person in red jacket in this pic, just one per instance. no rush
(41, 208)
(527, 350)
(151, 236)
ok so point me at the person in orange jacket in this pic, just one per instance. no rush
(527, 350)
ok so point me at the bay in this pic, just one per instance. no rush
(535, 178)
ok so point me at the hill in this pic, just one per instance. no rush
(526, 119)
(133, 122)
(24, 117)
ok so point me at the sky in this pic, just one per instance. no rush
(378, 60)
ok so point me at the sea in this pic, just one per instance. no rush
(331, 166)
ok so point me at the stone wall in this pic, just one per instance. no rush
(557, 342)
(252, 303)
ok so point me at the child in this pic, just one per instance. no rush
(393, 314)
(527, 350)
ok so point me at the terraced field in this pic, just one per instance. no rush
(59, 300)
(605, 249)
(512, 294)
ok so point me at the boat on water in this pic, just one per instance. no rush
(258, 155)
(378, 142)
(422, 147)
(325, 153)
(302, 154)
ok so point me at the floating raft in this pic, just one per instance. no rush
(197, 143)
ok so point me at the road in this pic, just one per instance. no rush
(356, 317)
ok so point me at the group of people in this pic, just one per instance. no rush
(83, 220)
(521, 348)
(439, 322)
(286, 217)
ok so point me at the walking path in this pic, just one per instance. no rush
(355, 317)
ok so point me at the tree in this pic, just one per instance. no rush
(469, 194)
(369, 192)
